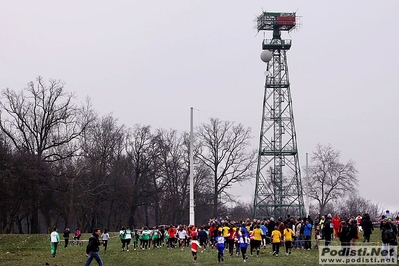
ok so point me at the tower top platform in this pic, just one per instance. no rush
(276, 20)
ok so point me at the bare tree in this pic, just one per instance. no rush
(42, 119)
(355, 205)
(241, 211)
(38, 121)
(328, 179)
(139, 146)
(174, 168)
(332, 208)
(17, 174)
(223, 148)
(102, 146)
(174, 173)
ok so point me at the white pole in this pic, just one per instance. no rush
(192, 217)
(307, 178)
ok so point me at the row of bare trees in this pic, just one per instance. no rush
(61, 164)
(351, 205)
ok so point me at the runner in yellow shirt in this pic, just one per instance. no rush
(257, 233)
(288, 235)
(276, 239)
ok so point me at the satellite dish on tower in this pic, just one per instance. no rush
(266, 56)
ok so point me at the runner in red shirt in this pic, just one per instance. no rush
(172, 236)
(194, 247)
(230, 239)
(193, 232)
(212, 234)
(336, 221)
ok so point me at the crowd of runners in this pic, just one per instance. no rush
(236, 237)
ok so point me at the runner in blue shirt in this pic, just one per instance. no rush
(220, 246)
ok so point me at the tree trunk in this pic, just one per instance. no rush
(131, 220)
(19, 223)
(47, 218)
(34, 221)
(156, 202)
(322, 207)
(215, 199)
(147, 219)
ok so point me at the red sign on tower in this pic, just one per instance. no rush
(286, 20)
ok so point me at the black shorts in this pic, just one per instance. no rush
(256, 243)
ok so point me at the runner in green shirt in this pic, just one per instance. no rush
(155, 237)
(122, 237)
(146, 237)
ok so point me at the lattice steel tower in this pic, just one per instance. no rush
(278, 189)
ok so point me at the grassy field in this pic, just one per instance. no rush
(35, 250)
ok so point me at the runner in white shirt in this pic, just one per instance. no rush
(128, 237)
(55, 239)
(181, 233)
(104, 238)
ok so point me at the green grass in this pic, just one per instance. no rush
(35, 250)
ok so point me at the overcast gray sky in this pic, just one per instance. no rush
(148, 62)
